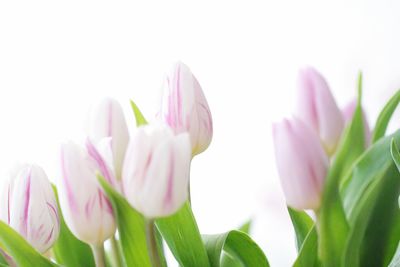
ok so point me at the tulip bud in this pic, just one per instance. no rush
(107, 121)
(348, 112)
(316, 106)
(156, 171)
(184, 107)
(86, 209)
(301, 162)
(29, 206)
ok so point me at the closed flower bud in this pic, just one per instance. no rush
(301, 162)
(316, 106)
(29, 206)
(156, 171)
(348, 112)
(184, 107)
(86, 209)
(107, 122)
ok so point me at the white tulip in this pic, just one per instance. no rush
(29, 206)
(156, 171)
(86, 209)
(184, 107)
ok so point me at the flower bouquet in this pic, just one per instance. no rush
(124, 199)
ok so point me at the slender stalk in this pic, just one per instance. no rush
(152, 244)
(99, 255)
(116, 253)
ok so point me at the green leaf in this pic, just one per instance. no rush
(385, 116)
(308, 254)
(236, 244)
(68, 250)
(182, 235)
(23, 254)
(395, 262)
(140, 119)
(245, 228)
(227, 259)
(3, 262)
(370, 198)
(131, 227)
(302, 224)
(331, 214)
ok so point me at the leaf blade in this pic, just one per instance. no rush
(131, 226)
(183, 237)
(140, 119)
(238, 245)
(23, 254)
(68, 250)
(384, 117)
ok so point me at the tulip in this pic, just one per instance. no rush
(107, 128)
(184, 107)
(87, 211)
(29, 206)
(301, 162)
(316, 106)
(348, 112)
(156, 171)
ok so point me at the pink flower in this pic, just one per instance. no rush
(316, 106)
(29, 206)
(184, 107)
(156, 171)
(301, 162)
(86, 209)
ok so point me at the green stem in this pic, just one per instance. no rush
(99, 255)
(116, 253)
(152, 244)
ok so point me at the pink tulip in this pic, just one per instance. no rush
(107, 129)
(316, 106)
(348, 112)
(184, 107)
(156, 171)
(87, 211)
(301, 162)
(29, 206)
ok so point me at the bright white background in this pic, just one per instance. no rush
(57, 56)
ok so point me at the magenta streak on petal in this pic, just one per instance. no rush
(26, 206)
(100, 162)
(170, 182)
(108, 207)
(70, 194)
(89, 206)
(110, 119)
(8, 204)
(52, 208)
(50, 235)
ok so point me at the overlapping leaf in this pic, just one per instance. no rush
(131, 226)
(68, 250)
(385, 116)
(23, 254)
(183, 237)
(237, 245)
(332, 216)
